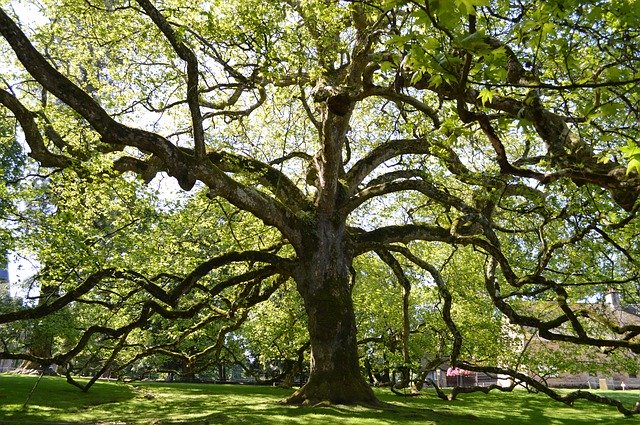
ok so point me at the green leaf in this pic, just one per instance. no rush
(485, 95)
(386, 66)
(399, 40)
(435, 80)
(470, 5)
(473, 42)
(632, 153)
(634, 164)
(631, 150)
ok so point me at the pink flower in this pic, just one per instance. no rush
(454, 371)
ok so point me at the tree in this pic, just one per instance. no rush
(12, 160)
(275, 334)
(341, 128)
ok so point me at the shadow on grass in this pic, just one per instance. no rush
(521, 407)
(53, 397)
(150, 403)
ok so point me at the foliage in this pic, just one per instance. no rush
(11, 165)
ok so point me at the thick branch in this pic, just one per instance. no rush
(32, 134)
(445, 294)
(379, 155)
(189, 57)
(568, 399)
(233, 257)
(546, 328)
(383, 236)
(282, 187)
(59, 303)
(177, 162)
(405, 283)
(399, 181)
(394, 96)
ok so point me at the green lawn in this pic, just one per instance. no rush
(55, 401)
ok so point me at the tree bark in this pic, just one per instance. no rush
(323, 281)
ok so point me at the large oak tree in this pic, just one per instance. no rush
(345, 128)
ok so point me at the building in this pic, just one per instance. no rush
(565, 365)
(562, 365)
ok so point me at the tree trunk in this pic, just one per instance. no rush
(323, 280)
(405, 369)
(222, 373)
(418, 382)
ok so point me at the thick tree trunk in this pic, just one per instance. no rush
(324, 283)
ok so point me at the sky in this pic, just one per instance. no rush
(20, 269)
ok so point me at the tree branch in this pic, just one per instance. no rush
(383, 236)
(58, 303)
(379, 155)
(32, 134)
(398, 181)
(206, 267)
(189, 57)
(177, 161)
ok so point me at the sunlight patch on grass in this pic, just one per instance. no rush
(144, 403)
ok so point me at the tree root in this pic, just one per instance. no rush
(398, 393)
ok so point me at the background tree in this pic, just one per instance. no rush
(339, 129)
(275, 335)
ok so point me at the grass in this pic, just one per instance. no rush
(55, 401)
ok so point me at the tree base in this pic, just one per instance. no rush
(340, 391)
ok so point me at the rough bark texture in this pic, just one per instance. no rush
(323, 281)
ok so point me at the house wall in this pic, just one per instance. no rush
(584, 380)
(7, 365)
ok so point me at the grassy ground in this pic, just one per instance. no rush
(55, 401)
